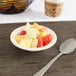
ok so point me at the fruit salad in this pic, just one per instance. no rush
(33, 36)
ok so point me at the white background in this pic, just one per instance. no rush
(35, 12)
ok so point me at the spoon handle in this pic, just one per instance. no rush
(47, 66)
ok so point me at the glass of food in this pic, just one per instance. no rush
(13, 6)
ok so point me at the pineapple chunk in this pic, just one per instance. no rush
(35, 31)
(34, 43)
(26, 42)
(36, 26)
(28, 26)
(19, 38)
(42, 34)
(32, 33)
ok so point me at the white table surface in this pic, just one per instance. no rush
(35, 12)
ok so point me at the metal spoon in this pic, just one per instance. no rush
(66, 47)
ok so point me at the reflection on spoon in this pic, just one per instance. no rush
(66, 47)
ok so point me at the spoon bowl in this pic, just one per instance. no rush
(68, 46)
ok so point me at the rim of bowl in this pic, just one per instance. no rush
(17, 30)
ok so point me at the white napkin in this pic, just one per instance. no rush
(35, 12)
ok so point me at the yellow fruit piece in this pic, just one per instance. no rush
(26, 42)
(36, 26)
(32, 33)
(27, 26)
(42, 34)
(19, 38)
(34, 43)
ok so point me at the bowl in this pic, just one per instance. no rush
(13, 6)
(17, 31)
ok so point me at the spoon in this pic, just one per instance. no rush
(66, 47)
